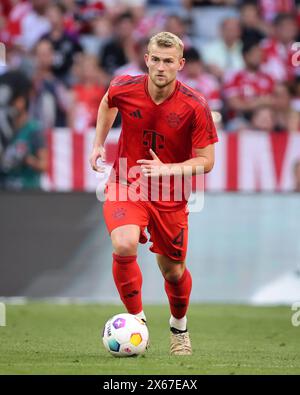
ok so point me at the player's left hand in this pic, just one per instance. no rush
(153, 167)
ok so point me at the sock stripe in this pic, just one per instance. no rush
(124, 259)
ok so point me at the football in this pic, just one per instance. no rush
(125, 335)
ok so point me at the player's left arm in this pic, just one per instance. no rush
(203, 162)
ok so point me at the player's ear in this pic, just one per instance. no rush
(181, 64)
(146, 57)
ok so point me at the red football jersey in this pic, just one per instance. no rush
(209, 86)
(172, 129)
(278, 60)
(269, 9)
(246, 84)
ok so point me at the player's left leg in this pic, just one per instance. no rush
(169, 235)
(178, 286)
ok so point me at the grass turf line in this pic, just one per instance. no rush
(45, 338)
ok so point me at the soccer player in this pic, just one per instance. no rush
(163, 120)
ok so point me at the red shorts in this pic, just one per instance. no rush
(168, 229)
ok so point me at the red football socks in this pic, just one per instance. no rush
(179, 294)
(128, 279)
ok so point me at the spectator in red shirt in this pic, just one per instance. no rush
(72, 23)
(250, 88)
(11, 21)
(5, 7)
(87, 92)
(195, 76)
(277, 50)
(271, 8)
(33, 23)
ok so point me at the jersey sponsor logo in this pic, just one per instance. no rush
(136, 114)
(173, 120)
(153, 140)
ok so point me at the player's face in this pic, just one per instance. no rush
(163, 65)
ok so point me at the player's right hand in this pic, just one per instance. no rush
(98, 153)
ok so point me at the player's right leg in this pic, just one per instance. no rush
(125, 239)
(125, 221)
(126, 271)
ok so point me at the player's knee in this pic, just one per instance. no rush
(124, 246)
(174, 275)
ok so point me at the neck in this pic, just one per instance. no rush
(230, 44)
(57, 32)
(44, 73)
(160, 94)
(252, 69)
(21, 120)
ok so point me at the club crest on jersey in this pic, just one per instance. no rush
(119, 213)
(173, 120)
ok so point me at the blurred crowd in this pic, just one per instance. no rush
(58, 57)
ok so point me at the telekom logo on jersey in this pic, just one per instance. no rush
(179, 186)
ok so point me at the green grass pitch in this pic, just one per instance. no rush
(45, 338)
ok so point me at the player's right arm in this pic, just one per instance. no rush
(105, 120)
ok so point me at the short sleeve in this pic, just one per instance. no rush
(115, 88)
(203, 129)
(111, 95)
(231, 86)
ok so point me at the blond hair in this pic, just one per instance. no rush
(167, 40)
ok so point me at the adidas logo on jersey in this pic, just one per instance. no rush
(136, 114)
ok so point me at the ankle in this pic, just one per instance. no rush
(141, 315)
(178, 323)
(177, 331)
